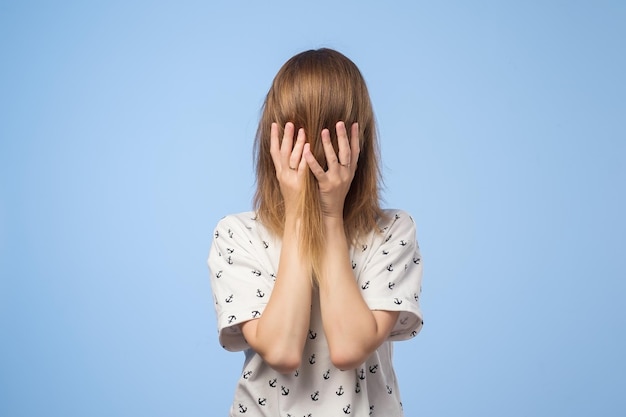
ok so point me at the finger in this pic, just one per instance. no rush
(314, 166)
(287, 145)
(296, 154)
(274, 146)
(343, 144)
(302, 164)
(329, 151)
(355, 145)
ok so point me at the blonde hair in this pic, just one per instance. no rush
(314, 90)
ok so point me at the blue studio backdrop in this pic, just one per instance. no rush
(126, 132)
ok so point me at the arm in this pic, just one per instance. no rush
(280, 333)
(353, 331)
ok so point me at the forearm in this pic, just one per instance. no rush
(280, 333)
(352, 330)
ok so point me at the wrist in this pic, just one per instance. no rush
(333, 222)
(292, 224)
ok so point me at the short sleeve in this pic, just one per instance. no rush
(241, 282)
(391, 278)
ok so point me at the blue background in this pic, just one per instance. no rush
(126, 132)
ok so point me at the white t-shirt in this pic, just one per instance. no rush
(387, 266)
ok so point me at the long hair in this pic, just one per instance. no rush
(314, 90)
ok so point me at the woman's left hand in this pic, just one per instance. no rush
(335, 182)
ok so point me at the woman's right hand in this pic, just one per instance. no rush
(289, 164)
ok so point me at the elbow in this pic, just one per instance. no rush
(283, 363)
(348, 359)
(282, 356)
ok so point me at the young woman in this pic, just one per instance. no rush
(316, 283)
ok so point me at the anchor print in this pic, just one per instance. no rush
(242, 408)
(355, 388)
(413, 333)
(389, 391)
(297, 373)
(256, 313)
(217, 234)
(363, 248)
(247, 374)
(229, 250)
(371, 409)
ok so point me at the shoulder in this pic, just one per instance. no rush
(237, 219)
(240, 229)
(395, 220)
(238, 224)
(393, 226)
